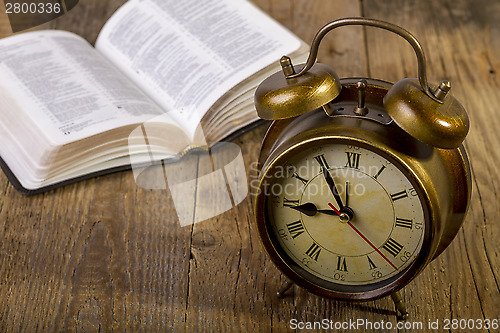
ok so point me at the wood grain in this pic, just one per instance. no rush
(105, 254)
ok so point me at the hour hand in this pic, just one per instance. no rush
(310, 209)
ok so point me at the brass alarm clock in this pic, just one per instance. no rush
(362, 182)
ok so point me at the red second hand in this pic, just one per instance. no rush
(366, 239)
(335, 209)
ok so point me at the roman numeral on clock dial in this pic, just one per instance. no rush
(341, 264)
(322, 161)
(303, 180)
(370, 263)
(352, 160)
(399, 195)
(289, 203)
(379, 171)
(404, 223)
(295, 228)
(313, 251)
(392, 247)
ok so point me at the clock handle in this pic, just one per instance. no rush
(422, 74)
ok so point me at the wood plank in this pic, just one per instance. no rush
(343, 49)
(5, 29)
(35, 244)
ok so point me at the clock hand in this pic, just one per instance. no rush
(310, 209)
(333, 189)
(369, 243)
(347, 194)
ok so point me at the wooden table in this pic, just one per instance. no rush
(104, 254)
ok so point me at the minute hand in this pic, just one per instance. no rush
(333, 189)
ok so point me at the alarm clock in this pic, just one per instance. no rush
(362, 183)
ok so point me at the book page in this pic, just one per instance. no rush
(69, 90)
(187, 54)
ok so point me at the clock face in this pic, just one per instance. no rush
(346, 216)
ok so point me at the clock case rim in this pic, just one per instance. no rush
(444, 205)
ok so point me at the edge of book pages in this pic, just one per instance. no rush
(17, 184)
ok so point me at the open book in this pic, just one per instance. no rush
(181, 73)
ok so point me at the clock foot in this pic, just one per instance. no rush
(283, 289)
(402, 314)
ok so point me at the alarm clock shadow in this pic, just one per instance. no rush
(303, 299)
